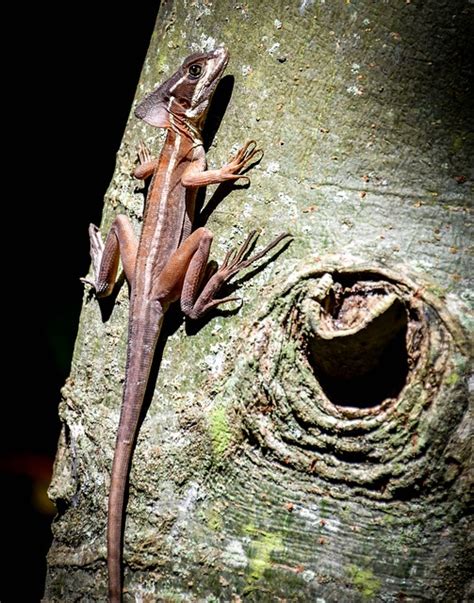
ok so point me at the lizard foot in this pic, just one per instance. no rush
(235, 259)
(246, 154)
(96, 252)
(144, 153)
(241, 161)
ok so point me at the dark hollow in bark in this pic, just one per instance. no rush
(358, 344)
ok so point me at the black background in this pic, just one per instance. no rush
(68, 91)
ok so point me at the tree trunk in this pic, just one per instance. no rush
(312, 446)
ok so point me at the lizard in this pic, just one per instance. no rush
(170, 260)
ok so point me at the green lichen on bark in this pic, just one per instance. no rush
(364, 580)
(261, 549)
(363, 111)
(220, 431)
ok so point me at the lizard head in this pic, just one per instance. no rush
(187, 93)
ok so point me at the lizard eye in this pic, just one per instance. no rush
(195, 70)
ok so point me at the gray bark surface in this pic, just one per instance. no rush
(255, 477)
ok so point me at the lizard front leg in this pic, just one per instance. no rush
(196, 174)
(147, 165)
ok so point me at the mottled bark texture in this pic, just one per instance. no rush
(313, 446)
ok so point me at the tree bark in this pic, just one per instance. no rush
(313, 446)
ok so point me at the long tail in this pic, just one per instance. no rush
(142, 344)
(118, 485)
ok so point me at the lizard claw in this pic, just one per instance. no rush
(252, 151)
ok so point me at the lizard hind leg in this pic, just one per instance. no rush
(234, 261)
(121, 244)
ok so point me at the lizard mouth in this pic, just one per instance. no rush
(223, 54)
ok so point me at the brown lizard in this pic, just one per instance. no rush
(170, 261)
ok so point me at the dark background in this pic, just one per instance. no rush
(73, 78)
